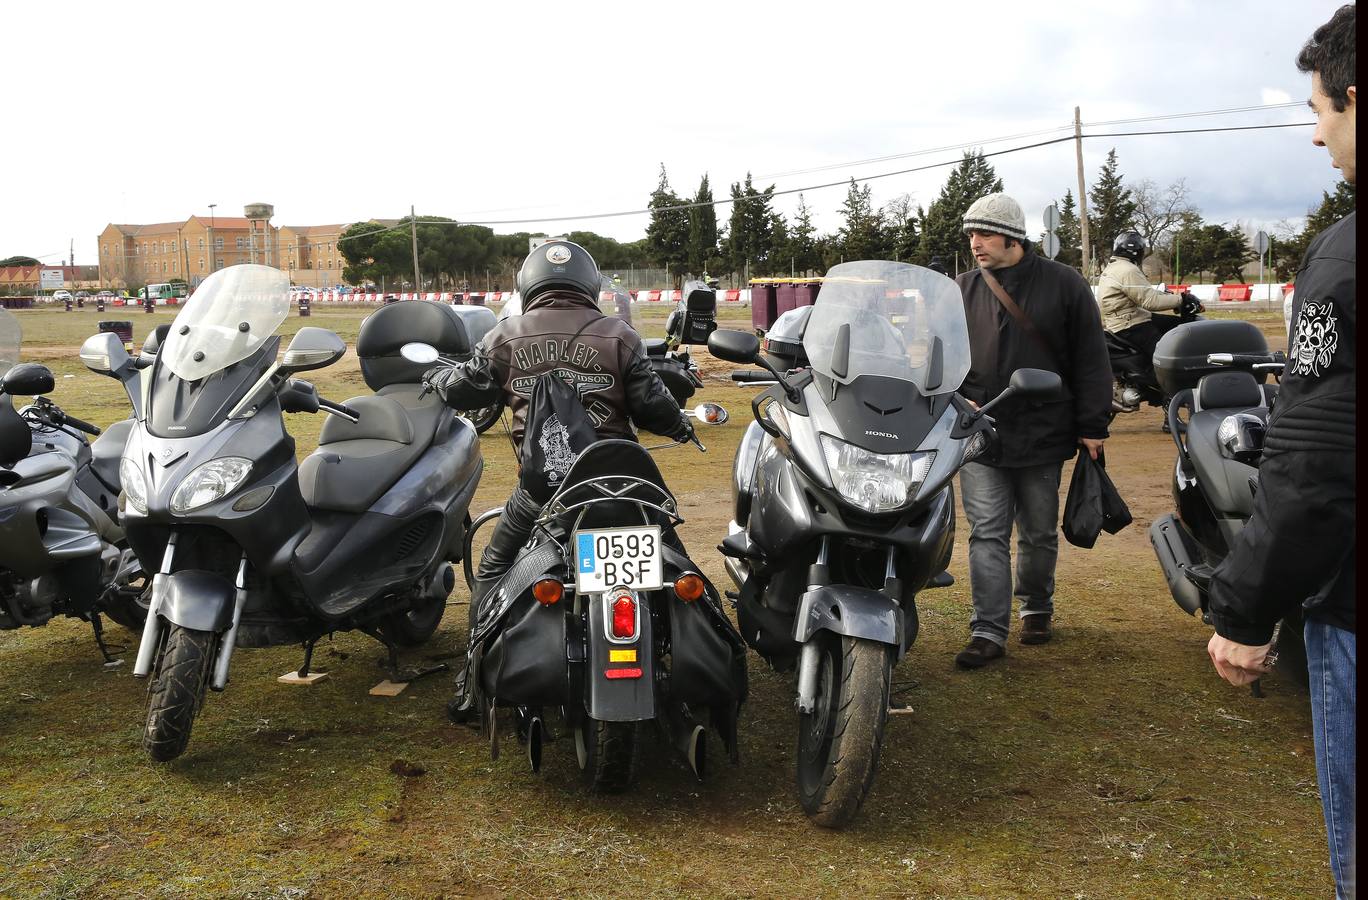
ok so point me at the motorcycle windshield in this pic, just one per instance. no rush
(227, 318)
(10, 338)
(891, 319)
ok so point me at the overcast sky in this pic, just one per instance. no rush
(343, 111)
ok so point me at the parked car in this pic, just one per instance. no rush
(61, 296)
(83, 295)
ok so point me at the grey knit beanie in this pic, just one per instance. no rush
(997, 213)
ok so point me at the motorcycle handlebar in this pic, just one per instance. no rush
(339, 409)
(64, 419)
(1276, 358)
(749, 376)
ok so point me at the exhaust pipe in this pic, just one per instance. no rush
(694, 746)
(219, 680)
(151, 634)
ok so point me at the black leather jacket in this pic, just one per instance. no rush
(602, 356)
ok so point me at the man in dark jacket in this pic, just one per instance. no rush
(1300, 545)
(1060, 330)
(560, 329)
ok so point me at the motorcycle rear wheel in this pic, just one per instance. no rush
(840, 740)
(177, 691)
(412, 627)
(607, 753)
(482, 419)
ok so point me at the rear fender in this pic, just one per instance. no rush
(851, 611)
(619, 699)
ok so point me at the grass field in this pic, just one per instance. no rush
(1109, 763)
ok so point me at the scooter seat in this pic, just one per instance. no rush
(654, 346)
(356, 462)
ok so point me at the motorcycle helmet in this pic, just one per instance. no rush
(558, 265)
(1131, 245)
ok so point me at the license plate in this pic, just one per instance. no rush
(618, 557)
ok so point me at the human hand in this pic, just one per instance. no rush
(1094, 446)
(1238, 664)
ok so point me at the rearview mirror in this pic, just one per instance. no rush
(312, 348)
(710, 413)
(1037, 384)
(734, 346)
(418, 352)
(28, 379)
(104, 353)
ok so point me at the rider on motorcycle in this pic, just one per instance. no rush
(560, 328)
(1129, 303)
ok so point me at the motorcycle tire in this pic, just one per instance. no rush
(606, 752)
(177, 691)
(412, 627)
(482, 419)
(840, 740)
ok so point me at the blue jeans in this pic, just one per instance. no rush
(994, 499)
(1331, 659)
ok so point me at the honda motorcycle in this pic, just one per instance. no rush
(844, 506)
(1215, 372)
(250, 548)
(62, 548)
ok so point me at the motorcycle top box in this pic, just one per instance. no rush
(1180, 359)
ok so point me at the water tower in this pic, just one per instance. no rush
(259, 224)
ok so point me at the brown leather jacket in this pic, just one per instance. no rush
(601, 356)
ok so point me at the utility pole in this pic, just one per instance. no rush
(413, 223)
(1082, 192)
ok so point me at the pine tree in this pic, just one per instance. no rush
(862, 235)
(667, 235)
(749, 243)
(1069, 232)
(702, 244)
(803, 253)
(1110, 209)
(942, 227)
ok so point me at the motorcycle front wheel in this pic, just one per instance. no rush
(177, 690)
(839, 741)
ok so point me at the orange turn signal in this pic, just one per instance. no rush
(548, 591)
(688, 587)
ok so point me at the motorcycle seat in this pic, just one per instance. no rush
(356, 462)
(654, 346)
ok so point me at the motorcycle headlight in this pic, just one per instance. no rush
(974, 447)
(209, 482)
(876, 482)
(134, 486)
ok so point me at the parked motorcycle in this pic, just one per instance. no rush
(62, 549)
(1133, 371)
(1215, 372)
(844, 506)
(605, 620)
(249, 547)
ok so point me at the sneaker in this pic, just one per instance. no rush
(980, 652)
(1036, 629)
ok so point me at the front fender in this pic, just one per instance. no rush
(855, 612)
(198, 600)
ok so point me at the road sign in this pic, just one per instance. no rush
(1051, 218)
(50, 279)
(1050, 244)
(1261, 243)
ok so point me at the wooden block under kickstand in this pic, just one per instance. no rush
(294, 678)
(388, 688)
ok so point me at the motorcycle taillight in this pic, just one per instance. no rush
(623, 616)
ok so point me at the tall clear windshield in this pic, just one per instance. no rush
(903, 321)
(227, 318)
(10, 338)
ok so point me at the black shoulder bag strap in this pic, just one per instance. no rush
(1021, 318)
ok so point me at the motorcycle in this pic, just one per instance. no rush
(478, 320)
(62, 548)
(1215, 372)
(604, 620)
(1134, 371)
(249, 547)
(694, 316)
(844, 505)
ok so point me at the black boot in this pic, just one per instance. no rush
(461, 708)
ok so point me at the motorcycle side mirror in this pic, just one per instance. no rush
(312, 348)
(418, 352)
(104, 353)
(27, 379)
(1035, 384)
(734, 346)
(710, 413)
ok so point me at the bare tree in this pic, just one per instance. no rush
(1159, 213)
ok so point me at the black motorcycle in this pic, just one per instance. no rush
(1215, 372)
(62, 548)
(844, 506)
(1133, 371)
(604, 620)
(249, 547)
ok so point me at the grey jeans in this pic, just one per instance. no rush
(995, 498)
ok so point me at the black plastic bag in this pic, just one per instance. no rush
(557, 431)
(1093, 504)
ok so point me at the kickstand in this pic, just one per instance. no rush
(308, 658)
(96, 624)
(391, 664)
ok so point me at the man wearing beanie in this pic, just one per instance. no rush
(1045, 318)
